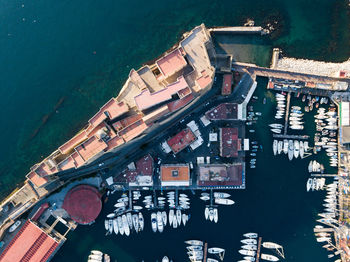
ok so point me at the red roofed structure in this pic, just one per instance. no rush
(31, 243)
(230, 144)
(225, 111)
(226, 84)
(83, 204)
(171, 63)
(181, 140)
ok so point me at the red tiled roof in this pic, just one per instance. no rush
(229, 142)
(226, 84)
(36, 179)
(204, 80)
(175, 105)
(126, 121)
(90, 148)
(175, 172)
(83, 203)
(31, 243)
(70, 144)
(181, 140)
(40, 211)
(133, 130)
(114, 142)
(225, 111)
(171, 63)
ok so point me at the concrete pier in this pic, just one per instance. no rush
(258, 250)
(238, 30)
(296, 137)
(287, 115)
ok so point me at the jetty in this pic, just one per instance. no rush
(287, 114)
(258, 250)
(238, 30)
(205, 252)
(296, 137)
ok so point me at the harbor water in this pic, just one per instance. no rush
(62, 60)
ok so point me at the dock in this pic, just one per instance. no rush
(238, 30)
(296, 137)
(205, 250)
(324, 175)
(287, 115)
(323, 230)
(258, 250)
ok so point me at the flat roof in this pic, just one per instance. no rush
(229, 142)
(226, 84)
(113, 108)
(36, 179)
(144, 166)
(147, 99)
(90, 148)
(204, 80)
(181, 140)
(225, 111)
(180, 103)
(171, 63)
(114, 142)
(67, 163)
(31, 243)
(77, 159)
(126, 121)
(70, 144)
(220, 175)
(133, 130)
(176, 172)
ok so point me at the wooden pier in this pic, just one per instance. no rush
(258, 250)
(287, 115)
(205, 252)
(285, 136)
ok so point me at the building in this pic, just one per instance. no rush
(83, 204)
(230, 144)
(181, 140)
(31, 243)
(226, 111)
(226, 84)
(219, 175)
(344, 130)
(175, 175)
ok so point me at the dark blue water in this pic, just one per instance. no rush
(61, 60)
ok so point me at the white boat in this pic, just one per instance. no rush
(247, 252)
(96, 252)
(120, 225)
(94, 257)
(154, 222)
(275, 130)
(249, 247)
(135, 222)
(110, 226)
(174, 221)
(296, 148)
(194, 242)
(212, 260)
(171, 216)
(141, 222)
(121, 204)
(280, 147)
(224, 201)
(301, 149)
(115, 226)
(178, 216)
(221, 195)
(123, 199)
(215, 250)
(164, 218)
(111, 215)
(160, 225)
(106, 224)
(268, 257)
(206, 213)
(125, 225)
(271, 245)
(194, 248)
(216, 215)
(297, 127)
(129, 219)
(276, 125)
(248, 258)
(249, 241)
(290, 149)
(205, 198)
(285, 146)
(309, 184)
(250, 235)
(184, 219)
(137, 208)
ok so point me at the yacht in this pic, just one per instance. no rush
(251, 235)
(206, 213)
(125, 225)
(221, 195)
(135, 222)
(301, 149)
(215, 250)
(129, 219)
(171, 216)
(296, 148)
(154, 222)
(277, 131)
(274, 147)
(224, 201)
(178, 216)
(249, 247)
(160, 225)
(164, 218)
(141, 221)
(280, 147)
(115, 226)
(174, 221)
(271, 245)
(247, 252)
(309, 184)
(120, 225)
(216, 215)
(249, 241)
(278, 126)
(290, 149)
(194, 242)
(184, 219)
(106, 224)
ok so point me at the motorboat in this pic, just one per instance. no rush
(297, 127)
(274, 146)
(224, 201)
(249, 247)
(268, 257)
(194, 248)
(301, 149)
(125, 225)
(247, 252)
(280, 147)
(184, 219)
(136, 208)
(194, 242)
(278, 126)
(129, 219)
(115, 226)
(112, 215)
(249, 241)
(215, 250)
(309, 184)
(296, 148)
(285, 146)
(165, 259)
(212, 260)
(135, 222)
(94, 258)
(175, 221)
(160, 225)
(216, 215)
(211, 214)
(141, 222)
(120, 225)
(206, 213)
(247, 259)
(221, 195)
(171, 216)
(164, 218)
(275, 130)
(178, 216)
(271, 245)
(106, 224)
(205, 198)
(110, 226)
(290, 149)
(96, 252)
(154, 222)
(250, 235)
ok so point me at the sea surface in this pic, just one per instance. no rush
(61, 60)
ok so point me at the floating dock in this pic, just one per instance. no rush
(296, 137)
(287, 115)
(258, 250)
(205, 250)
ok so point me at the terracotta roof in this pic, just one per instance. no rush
(225, 111)
(177, 104)
(133, 130)
(229, 142)
(176, 172)
(171, 63)
(83, 204)
(226, 84)
(36, 179)
(181, 140)
(70, 144)
(204, 80)
(90, 148)
(31, 243)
